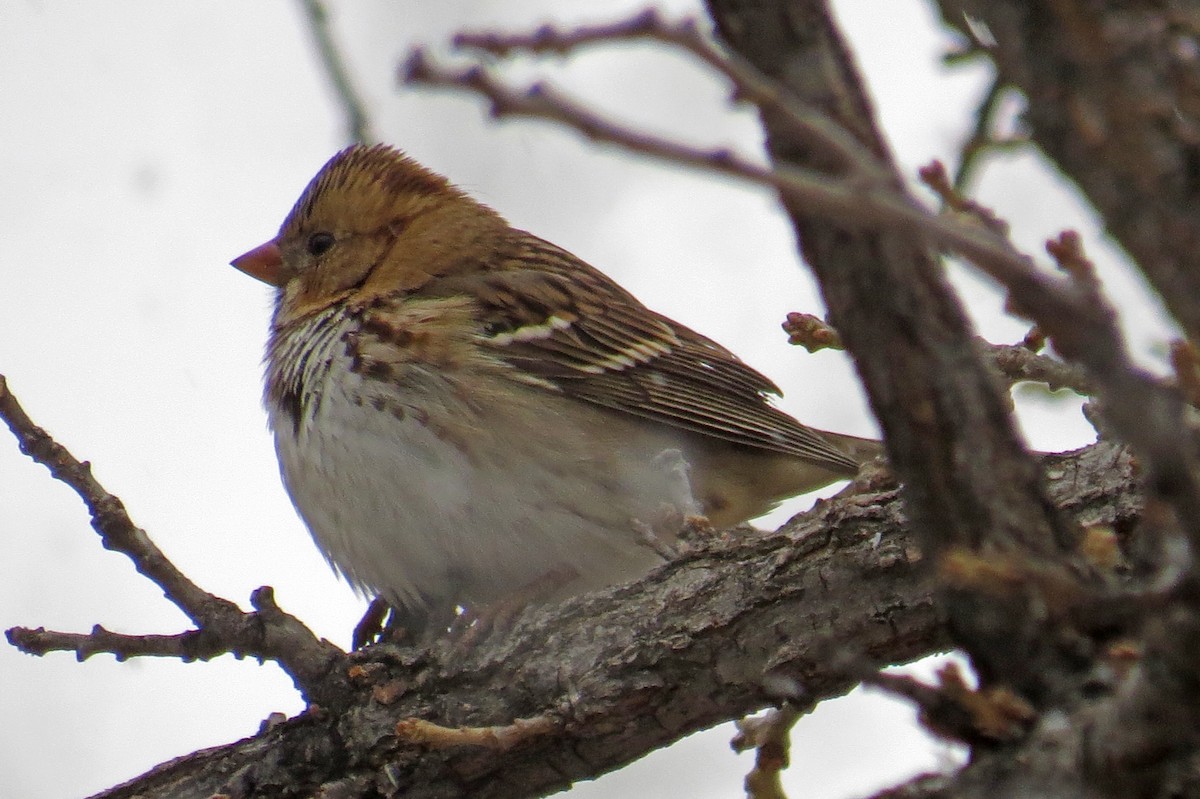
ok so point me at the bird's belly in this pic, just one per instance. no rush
(403, 508)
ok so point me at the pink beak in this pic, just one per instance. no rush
(264, 262)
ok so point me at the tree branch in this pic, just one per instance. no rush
(268, 633)
(968, 481)
(749, 85)
(609, 676)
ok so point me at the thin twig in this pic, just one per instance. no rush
(268, 633)
(955, 711)
(934, 176)
(188, 646)
(770, 737)
(980, 135)
(109, 517)
(982, 139)
(749, 85)
(358, 123)
(1017, 363)
(500, 738)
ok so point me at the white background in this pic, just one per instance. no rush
(144, 144)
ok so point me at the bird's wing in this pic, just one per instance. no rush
(567, 326)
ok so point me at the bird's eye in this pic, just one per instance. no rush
(320, 243)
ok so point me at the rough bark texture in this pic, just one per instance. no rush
(705, 639)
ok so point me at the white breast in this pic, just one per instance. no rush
(406, 504)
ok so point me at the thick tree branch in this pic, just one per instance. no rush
(607, 677)
(968, 481)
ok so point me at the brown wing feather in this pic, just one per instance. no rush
(600, 344)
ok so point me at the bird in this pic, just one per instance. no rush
(462, 410)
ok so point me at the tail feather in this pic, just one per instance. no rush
(858, 448)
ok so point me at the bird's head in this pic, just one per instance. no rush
(371, 222)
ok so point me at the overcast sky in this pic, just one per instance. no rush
(144, 144)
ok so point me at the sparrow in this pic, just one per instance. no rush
(462, 409)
